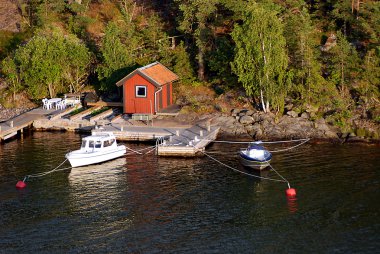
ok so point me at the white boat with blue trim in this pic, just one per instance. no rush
(255, 156)
(97, 148)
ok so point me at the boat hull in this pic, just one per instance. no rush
(256, 158)
(257, 165)
(79, 158)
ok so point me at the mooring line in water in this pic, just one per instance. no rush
(279, 175)
(22, 184)
(143, 149)
(47, 172)
(283, 180)
(154, 148)
(259, 142)
(290, 148)
(130, 149)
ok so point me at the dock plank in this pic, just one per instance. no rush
(20, 122)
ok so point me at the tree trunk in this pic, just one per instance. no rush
(51, 91)
(262, 101)
(201, 65)
(342, 78)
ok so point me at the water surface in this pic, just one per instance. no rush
(149, 204)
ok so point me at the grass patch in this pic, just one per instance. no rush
(98, 111)
(76, 111)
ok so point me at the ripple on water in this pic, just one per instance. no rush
(174, 205)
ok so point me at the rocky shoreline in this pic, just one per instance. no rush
(257, 125)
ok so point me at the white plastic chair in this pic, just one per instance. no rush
(45, 103)
(60, 105)
(63, 104)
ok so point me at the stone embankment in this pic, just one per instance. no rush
(257, 125)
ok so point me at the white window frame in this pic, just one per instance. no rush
(141, 96)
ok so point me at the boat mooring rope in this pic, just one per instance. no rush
(245, 173)
(143, 149)
(303, 141)
(259, 142)
(292, 147)
(47, 172)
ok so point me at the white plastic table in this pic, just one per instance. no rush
(53, 101)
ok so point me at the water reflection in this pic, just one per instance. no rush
(292, 204)
(150, 204)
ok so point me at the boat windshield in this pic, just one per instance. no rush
(83, 144)
(98, 144)
(91, 144)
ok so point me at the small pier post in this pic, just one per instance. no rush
(201, 133)
(208, 125)
(122, 128)
(177, 132)
(11, 124)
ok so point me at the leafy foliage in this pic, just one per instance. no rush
(260, 55)
(264, 45)
(51, 63)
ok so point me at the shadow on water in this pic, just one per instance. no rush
(149, 204)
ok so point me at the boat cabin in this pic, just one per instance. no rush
(98, 141)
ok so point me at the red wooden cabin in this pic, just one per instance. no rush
(148, 89)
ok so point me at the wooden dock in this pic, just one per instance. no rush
(184, 141)
(189, 142)
(176, 140)
(17, 124)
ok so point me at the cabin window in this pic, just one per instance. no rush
(91, 144)
(140, 91)
(108, 142)
(83, 144)
(98, 144)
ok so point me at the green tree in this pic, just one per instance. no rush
(260, 56)
(345, 61)
(368, 86)
(51, 63)
(117, 55)
(303, 51)
(78, 60)
(9, 69)
(182, 64)
(194, 22)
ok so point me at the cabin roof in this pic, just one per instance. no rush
(100, 136)
(156, 73)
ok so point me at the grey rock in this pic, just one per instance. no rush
(250, 112)
(235, 112)
(292, 113)
(246, 120)
(305, 115)
(289, 106)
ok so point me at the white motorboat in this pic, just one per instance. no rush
(255, 157)
(97, 148)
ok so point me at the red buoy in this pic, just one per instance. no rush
(20, 185)
(291, 192)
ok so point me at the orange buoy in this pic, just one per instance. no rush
(20, 185)
(291, 192)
